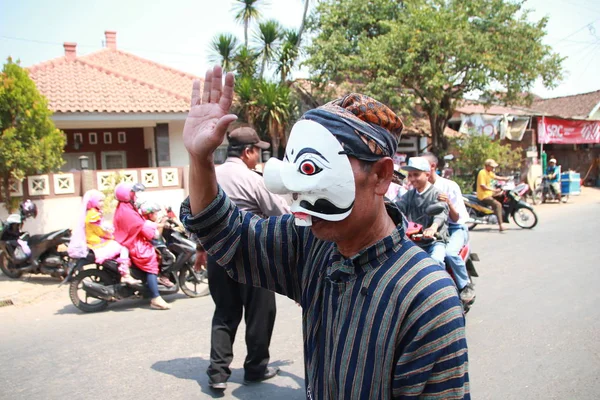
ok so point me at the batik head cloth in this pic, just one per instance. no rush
(366, 128)
(316, 168)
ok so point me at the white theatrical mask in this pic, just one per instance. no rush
(316, 172)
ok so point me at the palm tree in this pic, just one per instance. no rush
(274, 105)
(245, 90)
(267, 38)
(223, 49)
(287, 54)
(244, 62)
(246, 11)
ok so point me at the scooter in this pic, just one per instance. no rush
(545, 192)
(93, 286)
(414, 231)
(22, 253)
(512, 206)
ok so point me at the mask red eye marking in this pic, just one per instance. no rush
(308, 167)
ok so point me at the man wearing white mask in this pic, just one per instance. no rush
(381, 320)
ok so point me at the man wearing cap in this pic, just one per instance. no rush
(247, 189)
(414, 203)
(381, 320)
(553, 173)
(485, 191)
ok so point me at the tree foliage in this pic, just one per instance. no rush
(433, 50)
(471, 151)
(264, 102)
(30, 143)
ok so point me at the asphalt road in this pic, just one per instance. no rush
(533, 333)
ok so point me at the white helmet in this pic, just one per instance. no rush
(14, 219)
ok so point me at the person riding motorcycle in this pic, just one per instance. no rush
(150, 211)
(91, 232)
(414, 203)
(135, 233)
(485, 190)
(553, 176)
(457, 230)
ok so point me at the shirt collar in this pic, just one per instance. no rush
(342, 269)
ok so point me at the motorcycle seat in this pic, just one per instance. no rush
(35, 239)
(473, 199)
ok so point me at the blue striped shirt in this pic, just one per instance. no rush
(384, 324)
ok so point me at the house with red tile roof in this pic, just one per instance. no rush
(119, 110)
(579, 106)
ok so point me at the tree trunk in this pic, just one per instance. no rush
(6, 192)
(439, 144)
(246, 21)
(263, 66)
(303, 23)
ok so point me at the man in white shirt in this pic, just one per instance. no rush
(457, 230)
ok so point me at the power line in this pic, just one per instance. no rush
(577, 31)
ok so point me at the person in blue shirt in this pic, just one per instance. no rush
(553, 173)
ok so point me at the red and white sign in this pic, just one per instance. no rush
(567, 131)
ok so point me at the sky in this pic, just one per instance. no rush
(178, 33)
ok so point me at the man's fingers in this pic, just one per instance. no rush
(227, 95)
(195, 92)
(207, 84)
(217, 82)
(224, 122)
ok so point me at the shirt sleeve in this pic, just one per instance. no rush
(432, 350)
(270, 204)
(266, 253)
(481, 180)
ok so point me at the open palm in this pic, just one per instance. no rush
(208, 119)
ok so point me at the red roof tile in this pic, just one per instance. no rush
(576, 106)
(111, 80)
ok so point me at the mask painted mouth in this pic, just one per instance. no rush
(323, 206)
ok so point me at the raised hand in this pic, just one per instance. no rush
(208, 119)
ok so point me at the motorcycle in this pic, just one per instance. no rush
(92, 289)
(414, 232)
(22, 253)
(545, 192)
(512, 206)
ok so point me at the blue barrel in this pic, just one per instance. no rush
(570, 183)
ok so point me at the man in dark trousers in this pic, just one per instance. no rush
(247, 189)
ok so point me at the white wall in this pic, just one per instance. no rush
(61, 213)
(177, 151)
(53, 214)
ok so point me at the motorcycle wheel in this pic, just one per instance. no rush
(8, 268)
(79, 297)
(525, 218)
(192, 285)
(473, 215)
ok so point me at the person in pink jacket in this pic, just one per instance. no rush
(135, 233)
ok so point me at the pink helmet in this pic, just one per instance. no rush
(123, 191)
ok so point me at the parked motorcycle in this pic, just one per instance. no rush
(22, 253)
(544, 192)
(512, 206)
(92, 288)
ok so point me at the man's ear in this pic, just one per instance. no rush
(383, 171)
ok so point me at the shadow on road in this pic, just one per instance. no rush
(126, 305)
(194, 368)
(41, 280)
